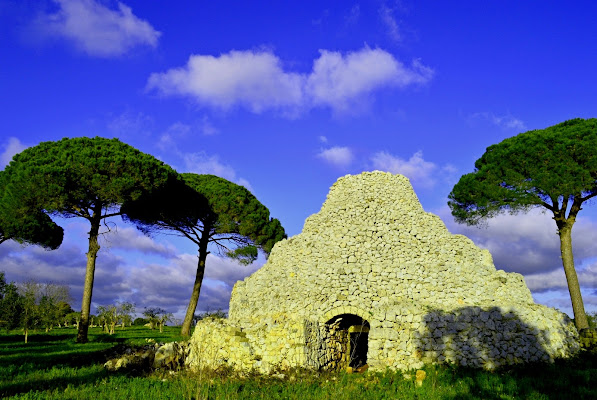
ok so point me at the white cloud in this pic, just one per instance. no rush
(419, 171)
(170, 285)
(179, 130)
(207, 127)
(131, 239)
(387, 17)
(130, 124)
(201, 163)
(98, 30)
(527, 242)
(257, 81)
(323, 139)
(338, 156)
(556, 279)
(168, 139)
(167, 284)
(340, 81)
(11, 147)
(254, 80)
(503, 121)
(66, 265)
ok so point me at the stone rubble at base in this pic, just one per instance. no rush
(373, 253)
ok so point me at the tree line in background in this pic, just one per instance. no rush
(97, 178)
(32, 306)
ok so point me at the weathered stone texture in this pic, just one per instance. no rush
(373, 252)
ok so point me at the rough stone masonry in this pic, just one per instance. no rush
(374, 279)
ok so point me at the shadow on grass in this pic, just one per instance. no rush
(575, 378)
(34, 338)
(50, 383)
(53, 361)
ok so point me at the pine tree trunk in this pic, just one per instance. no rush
(580, 318)
(89, 276)
(188, 319)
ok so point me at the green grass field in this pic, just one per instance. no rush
(52, 366)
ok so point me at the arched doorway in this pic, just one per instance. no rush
(348, 340)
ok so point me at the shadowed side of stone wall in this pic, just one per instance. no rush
(493, 337)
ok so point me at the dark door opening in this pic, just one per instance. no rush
(359, 345)
(349, 334)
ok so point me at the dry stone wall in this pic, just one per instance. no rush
(373, 256)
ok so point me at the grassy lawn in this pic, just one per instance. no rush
(52, 366)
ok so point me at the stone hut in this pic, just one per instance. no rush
(374, 279)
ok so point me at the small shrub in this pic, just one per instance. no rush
(140, 321)
(588, 340)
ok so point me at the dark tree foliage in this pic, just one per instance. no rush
(11, 304)
(553, 168)
(11, 307)
(2, 284)
(209, 210)
(84, 178)
(24, 223)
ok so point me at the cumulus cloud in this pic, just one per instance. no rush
(66, 266)
(201, 163)
(254, 80)
(257, 80)
(503, 121)
(97, 29)
(11, 147)
(337, 156)
(170, 285)
(131, 239)
(527, 242)
(166, 284)
(197, 162)
(420, 172)
(339, 81)
(556, 279)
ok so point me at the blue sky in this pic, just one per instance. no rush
(284, 98)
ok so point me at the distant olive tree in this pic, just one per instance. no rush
(11, 304)
(125, 313)
(108, 316)
(53, 301)
(30, 316)
(72, 318)
(158, 317)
